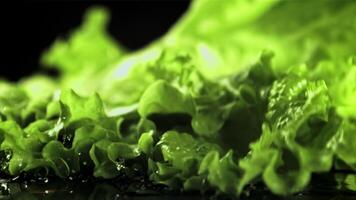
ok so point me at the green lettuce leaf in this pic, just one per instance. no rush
(204, 107)
(156, 97)
(299, 126)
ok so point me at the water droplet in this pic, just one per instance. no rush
(15, 178)
(119, 165)
(4, 189)
(3, 185)
(117, 196)
(25, 185)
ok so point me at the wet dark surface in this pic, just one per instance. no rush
(322, 187)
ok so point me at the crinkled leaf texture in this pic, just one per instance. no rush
(299, 126)
(198, 109)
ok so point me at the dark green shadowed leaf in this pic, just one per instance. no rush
(63, 161)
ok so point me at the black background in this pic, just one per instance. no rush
(29, 27)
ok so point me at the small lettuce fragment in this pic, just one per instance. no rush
(145, 143)
(345, 147)
(181, 158)
(104, 167)
(63, 161)
(78, 109)
(85, 137)
(179, 148)
(25, 150)
(222, 173)
(109, 157)
(12, 101)
(155, 99)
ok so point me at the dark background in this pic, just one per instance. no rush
(29, 27)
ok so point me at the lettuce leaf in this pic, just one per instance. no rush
(236, 93)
